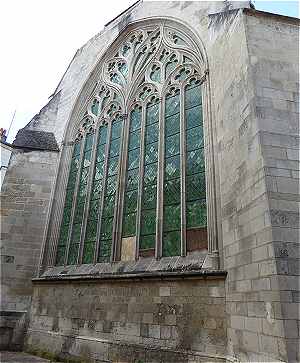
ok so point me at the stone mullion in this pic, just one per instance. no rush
(75, 199)
(101, 202)
(212, 258)
(182, 172)
(141, 182)
(115, 231)
(88, 196)
(49, 249)
(122, 184)
(160, 180)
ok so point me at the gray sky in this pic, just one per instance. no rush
(40, 37)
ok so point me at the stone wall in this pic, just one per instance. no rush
(131, 320)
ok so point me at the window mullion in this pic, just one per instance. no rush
(141, 181)
(75, 199)
(182, 171)
(101, 202)
(160, 181)
(87, 198)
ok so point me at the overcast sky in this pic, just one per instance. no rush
(39, 39)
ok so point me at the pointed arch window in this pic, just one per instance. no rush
(137, 183)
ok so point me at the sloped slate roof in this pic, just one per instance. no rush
(32, 139)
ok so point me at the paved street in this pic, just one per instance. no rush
(20, 357)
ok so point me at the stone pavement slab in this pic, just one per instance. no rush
(20, 357)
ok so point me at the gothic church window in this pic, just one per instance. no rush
(136, 185)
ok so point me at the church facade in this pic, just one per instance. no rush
(150, 211)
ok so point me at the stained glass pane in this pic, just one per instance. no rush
(135, 120)
(193, 96)
(97, 189)
(69, 197)
(101, 153)
(91, 230)
(172, 145)
(172, 125)
(60, 255)
(172, 167)
(111, 185)
(152, 114)
(194, 117)
(149, 197)
(130, 201)
(99, 170)
(88, 252)
(95, 107)
(196, 214)
(106, 228)
(195, 186)
(172, 191)
(63, 237)
(116, 130)
(72, 181)
(129, 225)
(152, 133)
(66, 216)
(170, 66)
(133, 159)
(76, 232)
(151, 153)
(171, 243)
(73, 254)
(150, 173)
(194, 138)
(102, 135)
(78, 213)
(113, 166)
(172, 217)
(132, 179)
(93, 213)
(147, 242)
(105, 251)
(195, 161)
(108, 207)
(114, 148)
(134, 140)
(172, 105)
(148, 222)
(89, 142)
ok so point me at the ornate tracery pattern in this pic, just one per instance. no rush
(137, 174)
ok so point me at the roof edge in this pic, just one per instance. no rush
(254, 12)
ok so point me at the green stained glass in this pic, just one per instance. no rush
(78, 213)
(87, 159)
(150, 173)
(196, 214)
(148, 221)
(126, 50)
(97, 189)
(69, 197)
(172, 125)
(60, 255)
(193, 117)
(66, 216)
(135, 120)
(172, 191)
(149, 197)
(114, 148)
(99, 170)
(111, 185)
(106, 228)
(101, 153)
(116, 130)
(172, 167)
(152, 114)
(109, 206)
(195, 186)
(151, 153)
(172, 105)
(93, 212)
(114, 77)
(76, 232)
(102, 135)
(72, 181)
(172, 217)
(74, 164)
(178, 40)
(134, 140)
(193, 96)
(129, 225)
(63, 236)
(77, 147)
(133, 159)
(88, 252)
(84, 175)
(131, 201)
(91, 230)
(73, 254)
(132, 181)
(156, 75)
(104, 102)
(123, 69)
(172, 145)
(95, 107)
(152, 133)
(113, 166)
(171, 243)
(89, 142)
(147, 242)
(195, 161)
(170, 66)
(105, 251)
(194, 138)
